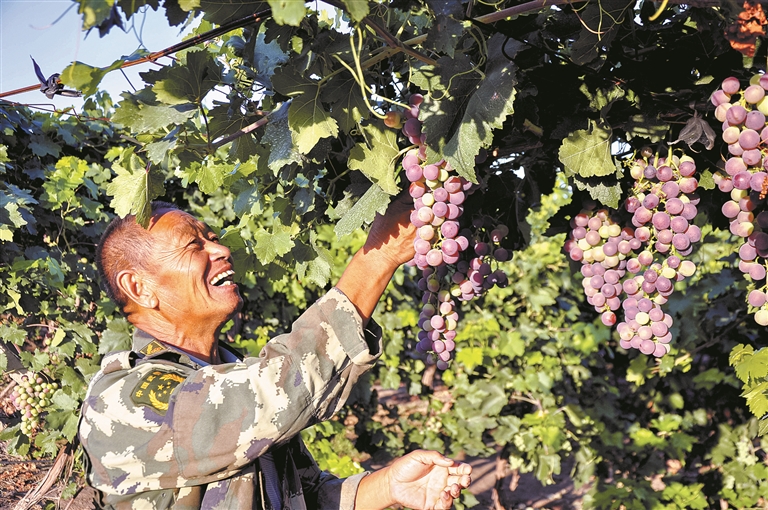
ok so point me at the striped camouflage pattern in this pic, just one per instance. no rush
(196, 446)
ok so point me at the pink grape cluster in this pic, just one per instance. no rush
(31, 398)
(745, 130)
(635, 268)
(455, 262)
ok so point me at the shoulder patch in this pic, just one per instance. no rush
(152, 347)
(155, 388)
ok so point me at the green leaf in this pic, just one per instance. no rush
(271, 245)
(288, 12)
(86, 78)
(222, 11)
(143, 117)
(375, 200)
(707, 180)
(117, 336)
(376, 156)
(94, 11)
(357, 9)
(606, 192)
(208, 175)
(347, 104)
(134, 188)
(749, 365)
(486, 110)
(600, 25)
(156, 151)
(280, 140)
(187, 81)
(587, 152)
(309, 121)
(41, 146)
(445, 35)
(757, 398)
(643, 126)
(470, 357)
(512, 344)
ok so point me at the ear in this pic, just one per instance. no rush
(136, 289)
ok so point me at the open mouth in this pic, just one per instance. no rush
(223, 278)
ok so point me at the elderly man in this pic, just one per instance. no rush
(180, 421)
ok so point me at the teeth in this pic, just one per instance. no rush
(216, 279)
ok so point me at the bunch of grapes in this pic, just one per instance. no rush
(635, 268)
(456, 263)
(31, 398)
(745, 130)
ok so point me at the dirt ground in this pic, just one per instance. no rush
(24, 483)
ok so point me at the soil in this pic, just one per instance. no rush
(29, 483)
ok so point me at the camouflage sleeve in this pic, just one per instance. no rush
(215, 420)
(323, 490)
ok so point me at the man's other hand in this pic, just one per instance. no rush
(422, 479)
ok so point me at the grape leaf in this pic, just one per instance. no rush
(117, 336)
(41, 146)
(94, 12)
(445, 35)
(486, 110)
(208, 175)
(134, 188)
(470, 357)
(757, 398)
(707, 180)
(375, 157)
(156, 151)
(288, 12)
(607, 193)
(748, 364)
(347, 104)
(309, 121)
(222, 11)
(601, 22)
(143, 117)
(357, 9)
(278, 136)
(270, 245)
(646, 127)
(587, 153)
(186, 81)
(85, 78)
(375, 200)
(241, 260)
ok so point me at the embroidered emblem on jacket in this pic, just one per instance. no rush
(155, 388)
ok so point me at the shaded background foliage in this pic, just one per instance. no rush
(273, 133)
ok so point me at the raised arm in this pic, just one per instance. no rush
(389, 245)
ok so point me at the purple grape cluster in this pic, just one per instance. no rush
(635, 269)
(455, 262)
(745, 179)
(31, 398)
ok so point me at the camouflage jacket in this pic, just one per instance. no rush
(161, 431)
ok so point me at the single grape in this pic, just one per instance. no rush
(731, 85)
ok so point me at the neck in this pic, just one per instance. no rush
(199, 342)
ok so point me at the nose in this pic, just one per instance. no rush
(218, 251)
